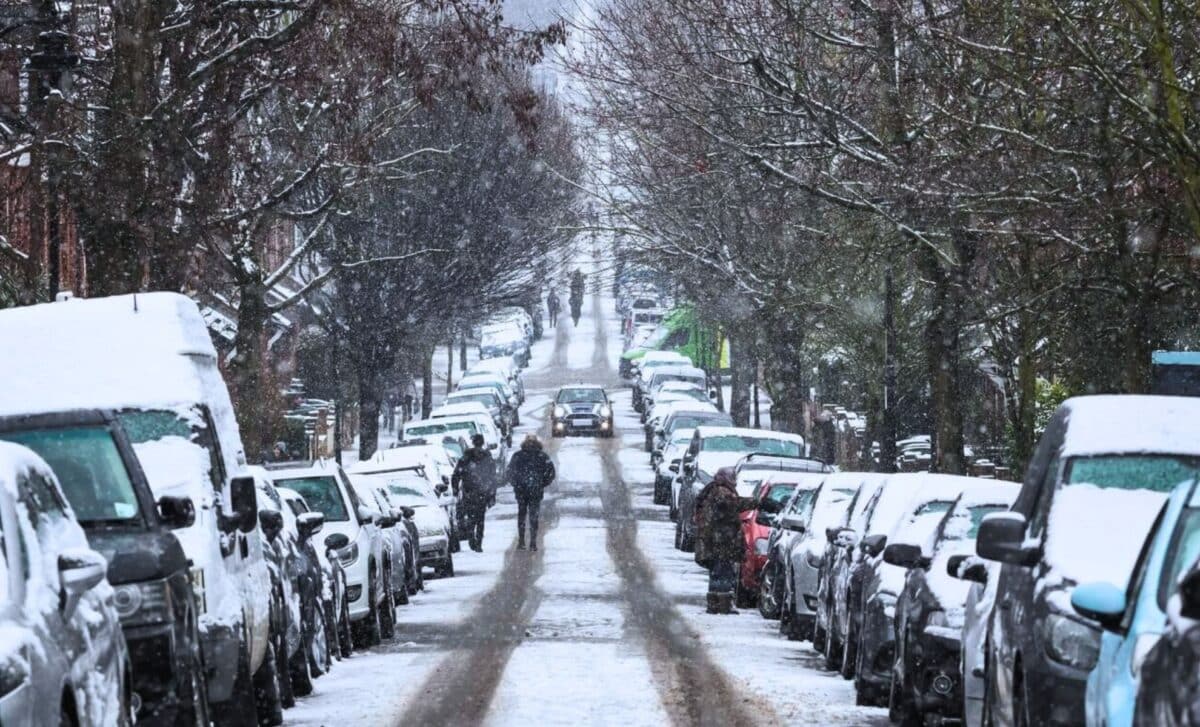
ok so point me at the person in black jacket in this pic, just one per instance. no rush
(475, 478)
(530, 471)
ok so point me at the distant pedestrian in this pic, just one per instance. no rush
(719, 546)
(552, 307)
(475, 480)
(530, 472)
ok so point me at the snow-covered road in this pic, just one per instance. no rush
(605, 625)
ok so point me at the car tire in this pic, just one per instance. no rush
(267, 700)
(678, 535)
(401, 596)
(688, 541)
(299, 673)
(744, 597)
(849, 657)
(901, 709)
(345, 631)
(768, 601)
(387, 611)
(446, 568)
(819, 639)
(366, 631)
(287, 695)
(833, 651)
(240, 710)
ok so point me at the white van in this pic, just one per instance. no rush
(149, 358)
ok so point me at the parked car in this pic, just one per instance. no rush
(504, 340)
(334, 605)
(869, 641)
(689, 418)
(581, 408)
(152, 362)
(1134, 618)
(497, 406)
(864, 537)
(66, 663)
(773, 494)
(646, 367)
(497, 384)
(431, 522)
(930, 610)
(1169, 677)
(798, 558)
(666, 468)
(419, 460)
(664, 409)
(351, 532)
(1090, 496)
(662, 374)
(404, 552)
(756, 467)
(506, 367)
(712, 448)
(464, 424)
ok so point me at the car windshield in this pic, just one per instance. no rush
(90, 469)
(780, 493)
(691, 421)
(479, 384)
(1183, 552)
(660, 379)
(322, 495)
(580, 396)
(1160, 473)
(488, 399)
(748, 443)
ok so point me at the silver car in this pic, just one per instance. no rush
(63, 658)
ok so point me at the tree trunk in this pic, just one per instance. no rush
(886, 430)
(369, 397)
(427, 384)
(462, 352)
(942, 366)
(112, 259)
(450, 366)
(246, 369)
(741, 375)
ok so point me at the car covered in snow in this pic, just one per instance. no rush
(63, 660)
(666, 467)
(661, 375)
(869, 641)
(930, 610)
(664, 409)
(497, 406)
(507, 339)
(757, 467)
(1169, 677)
(1134, 618)
(772, 494)
(646, 367)
(711, 449)
(151, 360)
(687, 418)
(581, 408)
(498, 384)
(797, 557)
(402, 552)
(504, 366)
(429, 462)
(334, 606)
(461, 418)
(432, 523)
(1091, 494)
(350, 531)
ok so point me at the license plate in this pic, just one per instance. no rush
(581, 420)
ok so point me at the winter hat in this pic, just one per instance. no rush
(531, 442)
(477, 440)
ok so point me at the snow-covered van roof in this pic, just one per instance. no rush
(1109, 424)
(706, 431)
(664, 356)
(461, 409)
(103, 353)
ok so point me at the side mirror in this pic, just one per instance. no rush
(1101, 602)
(310, 523)
(244, 500)
(1189, 595)
(441, 489)
(873, 545)
(386, 521)
(674, 467)
(905, 555)
(271, 522)
(792, 523)
(176, 512)
(689, 469)
(408, 512)
(366, 514)
(1002, 538)
(337, 541)
(79, 571)
(960, 567)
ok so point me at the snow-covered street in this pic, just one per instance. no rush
(604, 625)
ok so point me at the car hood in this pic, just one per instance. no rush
(1096, 534)
(135, 556)
(710, 462)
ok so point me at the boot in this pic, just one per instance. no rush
(725, 603)
(520, 543)
(713, 602)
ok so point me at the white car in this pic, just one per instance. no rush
(63, 659)
(351, 532)
(485, 425)
(431, 463)
(433, 524)
(666, 470)
(504, 366)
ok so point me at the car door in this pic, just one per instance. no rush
(18, 688)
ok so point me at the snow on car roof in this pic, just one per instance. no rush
(1110, 424)
(679, 386)
(803, 480)
(459, 409)
(292, 470)
(710, 431)
(134, 350)
(672, 370)
(499, 364)
(664, 356)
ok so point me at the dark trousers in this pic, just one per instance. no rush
(475, 510)
(531, 508)
(722, 578)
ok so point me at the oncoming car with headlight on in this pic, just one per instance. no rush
(581, 408)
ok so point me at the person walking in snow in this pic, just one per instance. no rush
(475, 478)
(530, 472)
(552, 308)
(719, 545)
(576, 299)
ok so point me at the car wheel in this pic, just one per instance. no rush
(688, 541)
(345, 633)
(299, 672)
(366, 631)
(240, 708)
(819, 638)
(287, 695)
(744, 597)
(446, 569)
(833, 650)
(768, 603)
(678, 534)
(387, 611)
(401, 595)
(673, 512)
(194, 709)
(266, 689)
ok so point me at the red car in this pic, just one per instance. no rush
(756, 529)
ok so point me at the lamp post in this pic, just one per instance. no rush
(50, 78)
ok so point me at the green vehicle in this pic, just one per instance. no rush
(681, 331)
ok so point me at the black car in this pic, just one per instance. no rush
(1169, 691)
(107, 489)
(581, 408)
(927, 628)
(1039, 650)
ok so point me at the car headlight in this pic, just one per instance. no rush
(760, 546)
(1070, 642)
(605, 411)
(146, 603)
(560, 411)
(348, 555)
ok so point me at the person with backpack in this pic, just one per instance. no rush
(475, 480)
(530, 472)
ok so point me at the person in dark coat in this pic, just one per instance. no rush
(552, 307)
(475, 478)
(530, 472)
(719, 546)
